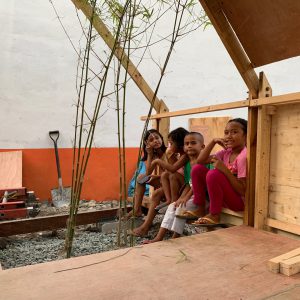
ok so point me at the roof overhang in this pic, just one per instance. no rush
(256, 32)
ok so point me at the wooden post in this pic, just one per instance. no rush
(251, 164)
(263, 157)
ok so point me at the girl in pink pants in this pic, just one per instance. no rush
(226, 184)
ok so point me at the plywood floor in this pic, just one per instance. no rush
(225, 264)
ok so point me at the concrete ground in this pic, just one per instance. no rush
(224, 264)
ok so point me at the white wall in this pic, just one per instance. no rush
(38, 68)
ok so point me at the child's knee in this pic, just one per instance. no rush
(197, 169)
(165, 175)
(213, 175)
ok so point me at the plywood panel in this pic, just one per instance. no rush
(268, 29)
(284, 189)
(10, 169)
(209, 127)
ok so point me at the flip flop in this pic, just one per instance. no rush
(188, 215)
(209, 223)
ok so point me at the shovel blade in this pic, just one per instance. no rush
(61, 197)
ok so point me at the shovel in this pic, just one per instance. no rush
(60, 197)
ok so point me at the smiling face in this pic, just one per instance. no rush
(154, 141)
(193, 144)
(234, 135)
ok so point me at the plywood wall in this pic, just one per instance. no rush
(10, 169)
(284, 189)
(209, 127)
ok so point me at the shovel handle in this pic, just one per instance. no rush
(54, 135)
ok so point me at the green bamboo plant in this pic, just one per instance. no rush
(133, 24)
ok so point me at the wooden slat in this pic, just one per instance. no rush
(276, 100)
(198, 110)
(108, 38)
(22, 226)
(263, 159)
(274, 263)
(290, 266)
(10, 169)
(284, 226)
(232, 44)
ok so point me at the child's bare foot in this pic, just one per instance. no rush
(140, 231)
(145, 242)
(136, 214)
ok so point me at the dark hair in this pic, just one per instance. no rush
(163, 147)
(200, 136)
(242, 122)
(177, 136)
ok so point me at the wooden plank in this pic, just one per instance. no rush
(266, 29)
(263, 159)
(164, 124)
(251, 166)
(284, 226)
(236, 257)
(209, 127)
(276, 100)
(216, 15)
(239, 214)
(284, 203)
(108, 38)
(290, 266)
(198, 110)
(10, 169)
(274, 263)
(284, 191)
(22, 226)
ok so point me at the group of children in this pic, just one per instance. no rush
(185, 176)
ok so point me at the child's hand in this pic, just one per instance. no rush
(181, 202)
(149, 150)
(155, 162)
(220, 142)
(218, 164)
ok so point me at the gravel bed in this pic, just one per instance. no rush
(29, 249)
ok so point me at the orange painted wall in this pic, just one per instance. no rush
(101, 180)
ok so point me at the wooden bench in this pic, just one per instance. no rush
(231, 217)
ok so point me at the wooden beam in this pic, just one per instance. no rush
(163, 124)
(204, 109)
(108, 38)
(276, 100)
(36, 224)
(218, 19)
(274, 263)
(262, 158)
(251, 163)
(284, 226)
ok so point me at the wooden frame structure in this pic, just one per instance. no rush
(245, 30)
